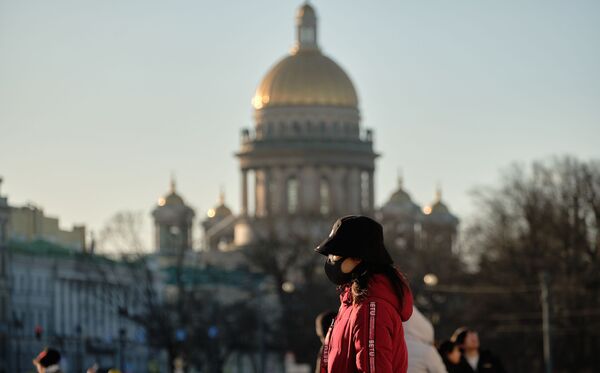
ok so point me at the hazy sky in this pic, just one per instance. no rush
(101, 100)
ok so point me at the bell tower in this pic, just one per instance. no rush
(173, 222)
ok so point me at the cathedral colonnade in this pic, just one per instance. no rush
(307, 190)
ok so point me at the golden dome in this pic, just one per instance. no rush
(306, 77)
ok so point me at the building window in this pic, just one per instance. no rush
(307, 35)
(292, 195)
(325, 200)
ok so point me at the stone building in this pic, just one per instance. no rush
(308, 159)
(29, 223)
(173, 220)
(5, 314)
(408, 227)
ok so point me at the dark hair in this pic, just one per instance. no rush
(360, 285)
(323, 322)
(459, 335)
(445, 349)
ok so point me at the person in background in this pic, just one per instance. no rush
(473, 359)
(450, 354)
(48, 361)
(422, 355)
(323, 322)
(367, 335)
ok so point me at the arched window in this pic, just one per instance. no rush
(292, 195)
(325, 199)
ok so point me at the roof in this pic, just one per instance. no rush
(43, 248)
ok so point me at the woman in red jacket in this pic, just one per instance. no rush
(367, 334)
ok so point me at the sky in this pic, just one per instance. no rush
(100, 101)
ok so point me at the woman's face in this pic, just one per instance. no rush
(454, 355)
(471, 340)
(348, 264)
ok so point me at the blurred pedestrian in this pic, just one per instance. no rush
(48, 361)
(450, 354)
(323, 322)
(473, 359)
(367, 334)
(422, 355)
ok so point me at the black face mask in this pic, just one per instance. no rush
(333, 270)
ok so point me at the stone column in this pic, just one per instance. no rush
(371, 191)
(338, 190)
(309, 185)
(354, 200)
(261, 193)
(267, 181)
(274, 190)
(244, 192)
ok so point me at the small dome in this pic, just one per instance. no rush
(172, 198)
(401, 202)
(438, 211)
(221, 210)
(306, 78)
(400, 196)
(439, 208)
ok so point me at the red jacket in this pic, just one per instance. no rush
(368, 337)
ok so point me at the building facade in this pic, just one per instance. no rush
(5, 314)
(73, 301)
(29, 223)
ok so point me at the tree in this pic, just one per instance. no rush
(541, 220)
(121, 238)
(177, 304)
(122, 233)
(301, 286)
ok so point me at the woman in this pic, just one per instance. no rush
(450, 354)
(367, 334)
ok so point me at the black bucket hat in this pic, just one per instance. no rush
(356, 236)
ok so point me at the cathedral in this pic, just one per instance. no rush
(307, 161)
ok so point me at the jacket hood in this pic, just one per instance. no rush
(419, 328)
(381, 287)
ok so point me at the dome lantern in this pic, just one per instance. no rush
(306, 29)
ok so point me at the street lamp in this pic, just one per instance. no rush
(18, 325)
(122, 335)
(78, 331)
(430, 279)
(288, 287)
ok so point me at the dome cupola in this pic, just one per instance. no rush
(306, 77)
